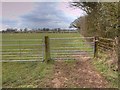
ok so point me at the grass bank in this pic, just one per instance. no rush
(102, 64)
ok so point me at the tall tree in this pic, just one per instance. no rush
(101, 18)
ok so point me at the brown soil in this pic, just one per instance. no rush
(76, 74)
(81, 74)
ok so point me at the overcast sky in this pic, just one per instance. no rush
(38, 15)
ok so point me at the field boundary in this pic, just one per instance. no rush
(106, 45)
(56, 48)
(72, 47)
(65, 47)
(22, 50)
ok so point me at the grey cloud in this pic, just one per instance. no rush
(46, 15)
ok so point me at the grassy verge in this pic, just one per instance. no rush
(26, 74)
(110, 75)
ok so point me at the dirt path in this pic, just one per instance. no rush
(77, 74)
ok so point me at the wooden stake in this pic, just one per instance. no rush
(96, 46)
(47, 49)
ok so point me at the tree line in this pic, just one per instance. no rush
(38, 30)
(101, 19)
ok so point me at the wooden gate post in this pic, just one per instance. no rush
(47, 49)
(95, 46)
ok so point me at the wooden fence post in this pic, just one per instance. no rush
(47, 49)
(95, 46)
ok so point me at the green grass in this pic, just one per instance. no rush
(110, 75)
(25, 74)
(37, 35)
(34, 74)
(35, 52)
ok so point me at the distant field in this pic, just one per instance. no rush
(37, 35)
(30, 74)
(29, 46)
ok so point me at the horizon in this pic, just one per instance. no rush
(32, 29)
(38, 15)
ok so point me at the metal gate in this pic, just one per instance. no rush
(34, 49)
(71, 48)
(22, 50)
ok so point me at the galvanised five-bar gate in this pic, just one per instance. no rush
(22, 50)
(47, 49)
(71, 48)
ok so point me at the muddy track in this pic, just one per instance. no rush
(81, 74)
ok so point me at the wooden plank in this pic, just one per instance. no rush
(106, 39)
(106, 47)
(106, 44)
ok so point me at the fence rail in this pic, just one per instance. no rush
(46, 49)
(70, 48)
(27, 40)
(56, 48)
(72, 38)
(23, 45)
(21, 50)
(105, 45)
(20, 61)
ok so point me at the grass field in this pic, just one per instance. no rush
(30, 74)
(29, 46)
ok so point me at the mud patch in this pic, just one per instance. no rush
(80, 74)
